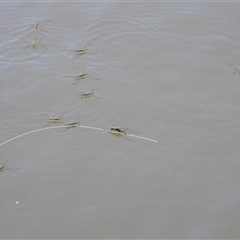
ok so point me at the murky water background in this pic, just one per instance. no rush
(162, 73)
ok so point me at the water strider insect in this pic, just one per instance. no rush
(117, 130)
(237, 70)
(234, 68)
(72, 125)
(54, 120)
(4, 168)
(34, 42)
(87, 95)
(125, 132)
(79, 52)
(37, 24)
(79, 77)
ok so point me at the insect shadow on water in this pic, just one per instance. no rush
(34, 43)
(54, 120)
(3, 168)
(87, 95)
(79, 77)
(38, 24)
(232, 66)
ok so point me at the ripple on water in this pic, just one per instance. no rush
(115, 37)
(123, 33)
(16, 41)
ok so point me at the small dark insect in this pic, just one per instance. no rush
(117, 130)
(80, 52)
(120, 132)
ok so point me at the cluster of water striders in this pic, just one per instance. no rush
(58, 120)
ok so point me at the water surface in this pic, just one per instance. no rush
(161, 72)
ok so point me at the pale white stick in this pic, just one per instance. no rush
(48, 128)
(94, 128)
(38, 130)
(131, 135)
(149, 139)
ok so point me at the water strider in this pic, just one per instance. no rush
(237, 70)
(4, 168)
(79, 52)
(79, 77)
(234, 68)
(71, 125)
(37, 24)
(34, 42)
(87, 95)
(125, 132)
(54, 120)
(118, 130)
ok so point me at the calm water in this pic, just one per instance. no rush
(160, 69)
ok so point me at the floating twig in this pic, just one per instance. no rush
(64, 126)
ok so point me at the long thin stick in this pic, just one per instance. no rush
(38, 130)
(148, 139)
(94, 128)
(52, 127)
(131, 135)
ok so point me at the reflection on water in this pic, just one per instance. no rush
(168, 71)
